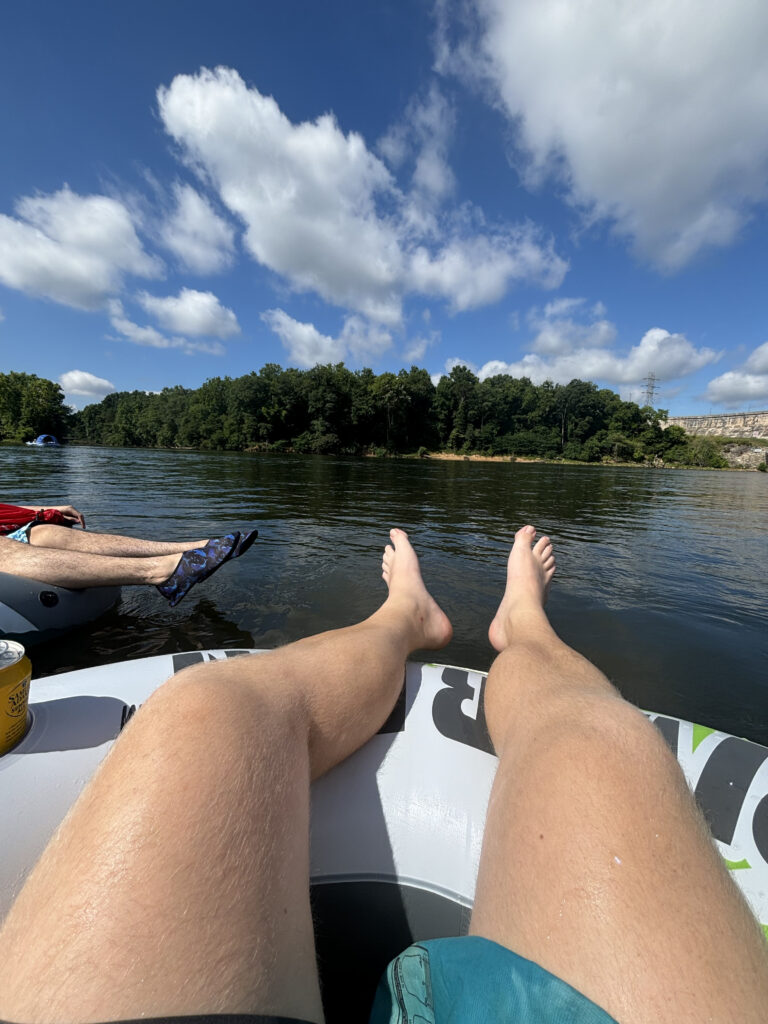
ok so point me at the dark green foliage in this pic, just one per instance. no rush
(30, 406)
(539, 443)
(698, 451)
(330, 410)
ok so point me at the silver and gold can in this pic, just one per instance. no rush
(15, 675)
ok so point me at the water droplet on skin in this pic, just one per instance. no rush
(617, 859)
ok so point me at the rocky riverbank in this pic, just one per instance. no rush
(745, 456)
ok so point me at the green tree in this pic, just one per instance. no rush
(702, 452)
(31, 405)
(392, 397)
(580, 411)
(457, 406)
(419, 428)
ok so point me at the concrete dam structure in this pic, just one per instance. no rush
(738, 424)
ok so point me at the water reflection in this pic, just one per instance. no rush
(133, 631)
(661, 575)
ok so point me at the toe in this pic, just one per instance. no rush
(525, 535)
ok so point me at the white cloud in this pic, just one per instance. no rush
(572, 339)
(306, 192)
(653, 116)
(417, 347)
(324, 212)
(306, 346)
(562, 307)
(559, 333)
(453, 362)
(152, 338)
(666, 355)
(363, 339)
(423, 135)
(191, 312)
(496, 366)
(80, 382)
(758, 360)
(194, 232)
(735, 389)
(740, 387)
(72, 249)
(477, 271)
(394, 146)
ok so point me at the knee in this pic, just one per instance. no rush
(206, 755)
(604, 738)
(533, 682)
(540, 665)
(211, 713)
(44, 534)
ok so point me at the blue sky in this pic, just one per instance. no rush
(190, 190)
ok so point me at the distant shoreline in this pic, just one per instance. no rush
(429, 456)
(453, 457)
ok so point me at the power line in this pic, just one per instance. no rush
(652, 383)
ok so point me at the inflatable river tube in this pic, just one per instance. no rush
(396, 829)
(31, 611)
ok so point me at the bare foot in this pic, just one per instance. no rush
(401, 572)
(529, 571)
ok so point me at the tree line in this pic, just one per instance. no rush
(334, 410)
(29, 406)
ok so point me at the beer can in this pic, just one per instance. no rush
(15, 675)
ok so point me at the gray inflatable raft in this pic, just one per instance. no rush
(31, 611)
(397, 828)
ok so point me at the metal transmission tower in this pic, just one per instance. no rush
(651, 387)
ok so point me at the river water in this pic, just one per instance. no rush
(661, 577)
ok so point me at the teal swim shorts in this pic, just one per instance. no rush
(22, 534)
(471, 980)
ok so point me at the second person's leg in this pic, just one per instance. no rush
(77, 569)
(63, 538)
(173, 574)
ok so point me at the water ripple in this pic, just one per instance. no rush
(661, 575)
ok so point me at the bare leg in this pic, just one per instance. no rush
(596, 863)
(78, 569)
(63, 538)
(179, 882)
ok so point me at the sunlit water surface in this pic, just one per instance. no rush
(661, 577)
